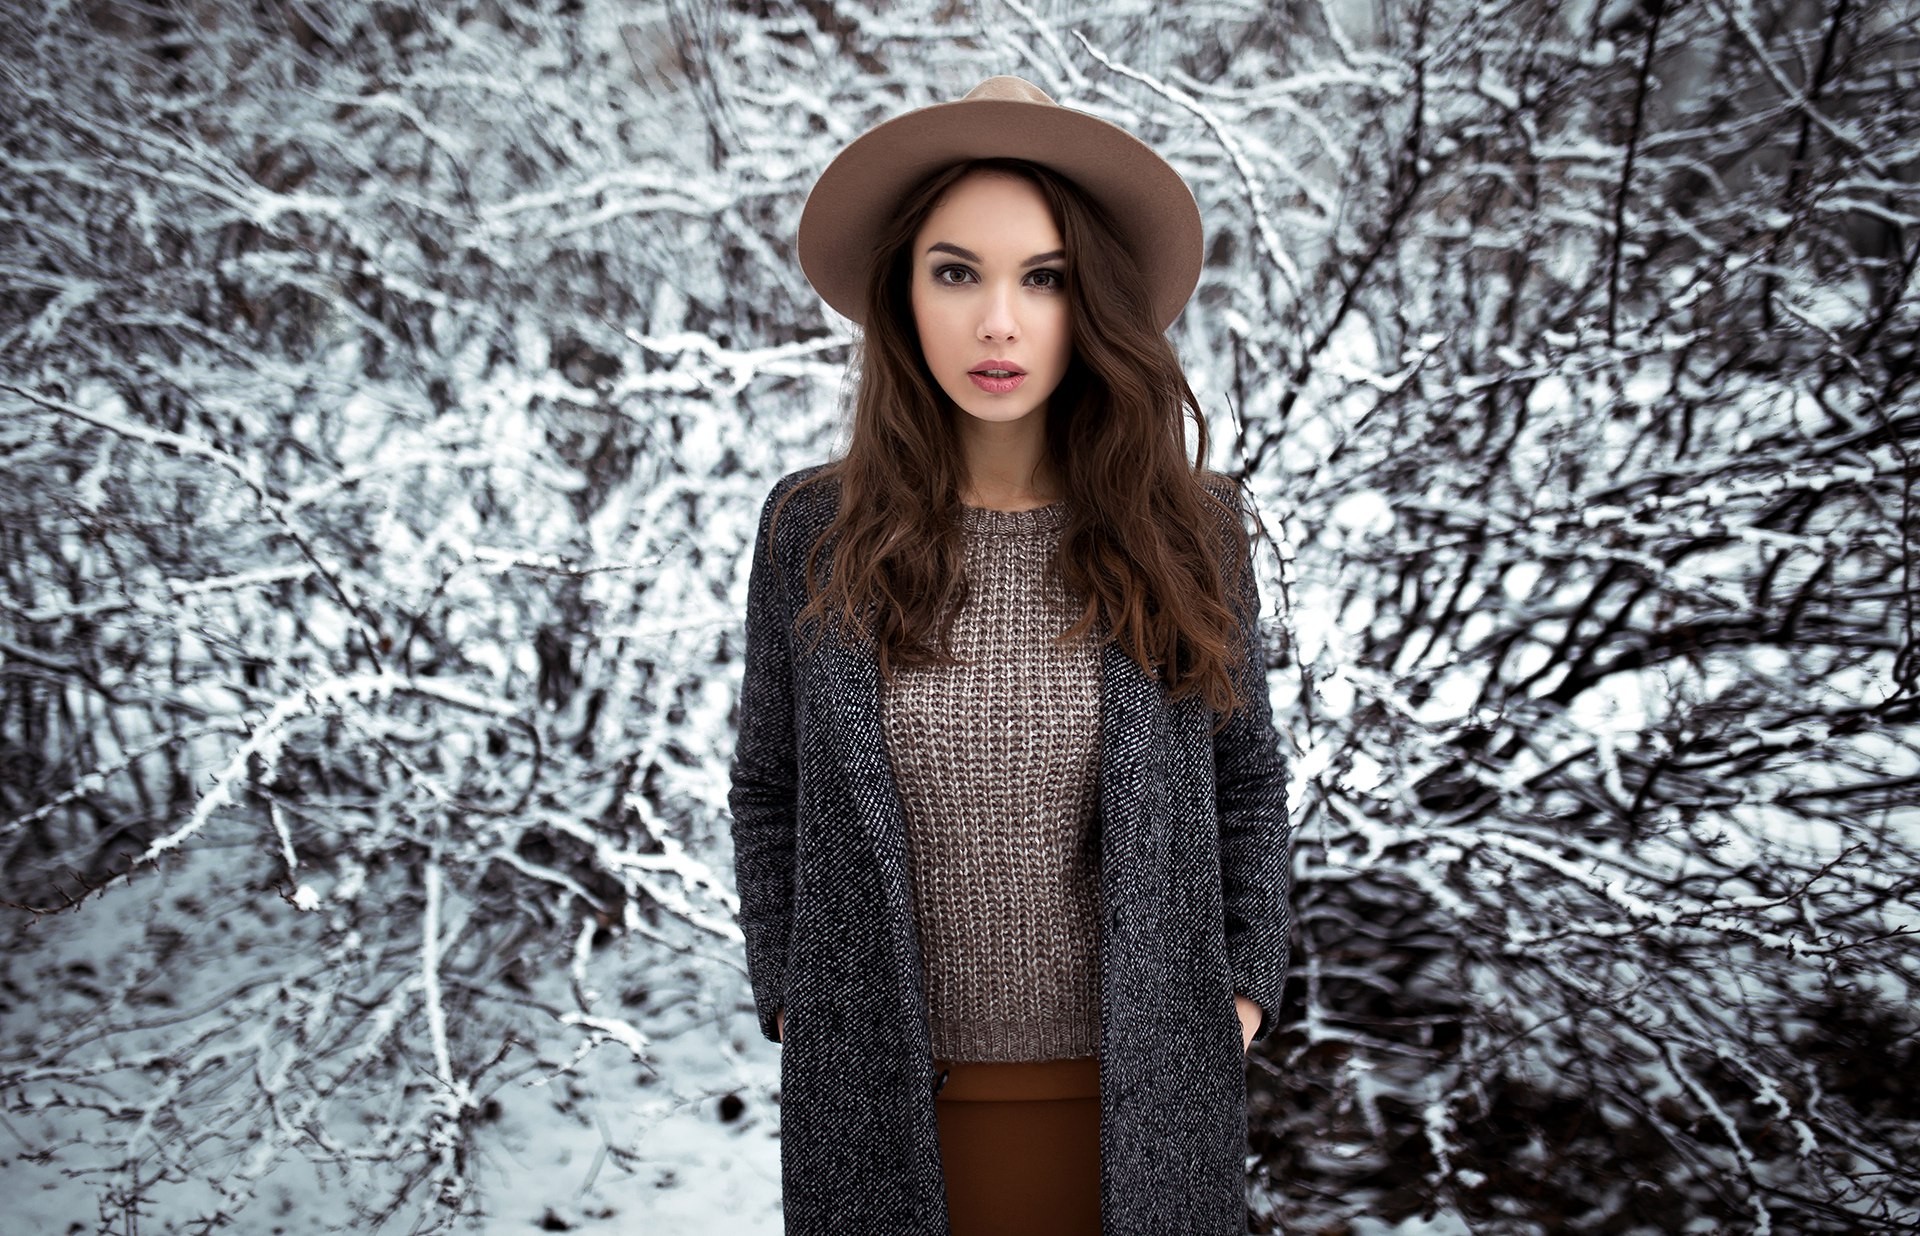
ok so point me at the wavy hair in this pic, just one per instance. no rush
(1143, 546)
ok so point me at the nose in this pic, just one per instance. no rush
(997, 317)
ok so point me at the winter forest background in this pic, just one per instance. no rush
(387, 394)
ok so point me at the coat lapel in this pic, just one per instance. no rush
(852, 677)
(1129, 715)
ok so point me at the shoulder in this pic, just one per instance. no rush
(1227, 489)
(799, 506)
(806, 476)
(1231, 504)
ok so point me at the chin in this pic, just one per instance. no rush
(999, 414)
(994, 410)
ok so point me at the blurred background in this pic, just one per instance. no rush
(387, 395)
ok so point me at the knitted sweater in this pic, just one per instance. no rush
(997, 762)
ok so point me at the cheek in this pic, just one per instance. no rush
(935, 331)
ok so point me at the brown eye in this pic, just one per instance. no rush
(1056, 279)
(940, 276)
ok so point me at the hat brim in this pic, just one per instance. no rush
(854, 201)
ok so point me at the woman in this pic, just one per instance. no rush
(1009, 806)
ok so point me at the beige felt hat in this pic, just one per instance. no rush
(1008, 117)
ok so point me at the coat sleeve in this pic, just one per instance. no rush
(765, 779)
(1250, 792)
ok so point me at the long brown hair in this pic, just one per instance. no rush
(1142, 543)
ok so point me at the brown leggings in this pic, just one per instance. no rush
(1020, 1146)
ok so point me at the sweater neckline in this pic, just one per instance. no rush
(1034, 521)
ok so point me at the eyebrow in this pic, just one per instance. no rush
(941, 246)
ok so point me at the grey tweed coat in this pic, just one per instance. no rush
(1194, 886)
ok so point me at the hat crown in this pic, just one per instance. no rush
(1011, 89)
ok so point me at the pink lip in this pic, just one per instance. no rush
(997, 386)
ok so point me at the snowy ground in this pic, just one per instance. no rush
(656, 1153)
(656, 1158)
(615, 1148)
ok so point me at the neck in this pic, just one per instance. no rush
(1006, 463)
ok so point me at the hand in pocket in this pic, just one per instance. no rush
(1249, 1020)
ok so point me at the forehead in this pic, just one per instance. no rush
(993, 209)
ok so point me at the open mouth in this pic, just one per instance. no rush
(987, 380)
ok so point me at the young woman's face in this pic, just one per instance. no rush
(989, 292)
